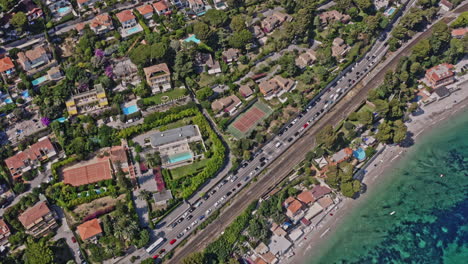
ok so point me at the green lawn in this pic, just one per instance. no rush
(206, 80)
(172, 94)
(183, 171)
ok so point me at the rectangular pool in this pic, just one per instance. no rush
(133, 30)
(180, 157)
(130, 109)
(39, 80)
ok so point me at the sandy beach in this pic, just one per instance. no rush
(433, 115)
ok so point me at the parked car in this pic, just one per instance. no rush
(173, 241)
(73, 239)
(156, 256)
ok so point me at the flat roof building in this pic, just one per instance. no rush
(158, 77)
(88, 101)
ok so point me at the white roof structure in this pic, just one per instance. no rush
(322, 162)
(296, 234)
(313, 211)
(279, 245)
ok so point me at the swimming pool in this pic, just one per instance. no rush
(133, 30)
(192, 38)
(39, 80)
(8, 101)
(359, 154)
(390, 11)
(25, 94)
(61, 119)
(130, 109)
(63, 9)
(180, 157)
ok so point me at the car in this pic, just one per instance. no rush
(228, 193)
(172, 242)
(300, 116)
(206, 197)
(234, 189)
(180, 220)
(239, 185)
(225, 181)
(156, 256)
(262, 164)
(188, 228)
(290, 125)
(262, 159)
(180, 235)
(208, 211)
(290, 139)
(309, 107)
(216, 204)
(73, 239)
(244, 164)
(306, 125)
(296, 134)
(246, 178)
(185, 214)
(192, 209)
(257, 168)
(173, 224)
(233, 178)
(213, 192)
(251, 173)
(189, 217)
(201, 217)
(162, 251)
(194, 222)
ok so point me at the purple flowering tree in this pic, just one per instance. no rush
(45, 121)
(109, 72)
(99, 53)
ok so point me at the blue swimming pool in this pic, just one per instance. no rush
(130, 109)
(63, 9)
(25, 94)
(192, 38)
(133, 30)
(390, 11)
(180, 157)
(359, 154)
(8, 101)
(39, 80)
(61, 119)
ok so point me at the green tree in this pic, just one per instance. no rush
(195, 258)
(237, 23)
(384, 134)
(364, 5)
(19, 20)
(347, 189)
(365, 117)
(204, 93)
(38, 252)
(440, 37)
(422, 50)
(202, 31)
(327, 137)
(215, 17)
(400, 130)
(240, 39)
(461, 21)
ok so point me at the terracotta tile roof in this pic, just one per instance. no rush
(101, 20)
(125, 15)
(4, 229)
(80, 26)
(459, 32)
(82, 1)
(245, 90)
(118, 154)
(319, 191)
(225, 103)
(160, 6)
(156, 68)
(306, 197)
(440, 71)
(31, 54)
(6, 64)
(89, 229)
(288, 201)
(260, 261)
(145, 9)
(90, 172)
(294, 207)
(33, 214)
(446, 3)
(33, 153)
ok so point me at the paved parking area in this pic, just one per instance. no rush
(25, 128)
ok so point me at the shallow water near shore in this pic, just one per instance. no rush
(430, 223)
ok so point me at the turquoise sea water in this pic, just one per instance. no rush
(430, 224)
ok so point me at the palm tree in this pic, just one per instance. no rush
(145, 195)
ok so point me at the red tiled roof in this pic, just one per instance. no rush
(306, 197)
(125, 16)
(88, 173)
(34, 214)
(4, 229)
(33, 153)
(101, 20)
(440, 71)
(295, 206)
(89, 229)
(160, 6)
(459, 32)
(6, 64)
(145, 9)
(118, 154)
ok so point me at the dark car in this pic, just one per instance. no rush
(290, 125)
(262, 159)
(162, 251)
(206, 197)
(234, 189)
(244, 164)
(192, 209)
(180, 220)
(73, 239)
(213, 192)
(239, 184)
(228, 193)
(290, 139)
(296, 134)
(262, 164)
(189, 217)
(173, 224)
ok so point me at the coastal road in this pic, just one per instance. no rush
(282, 167)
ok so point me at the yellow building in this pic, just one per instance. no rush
(86, 102)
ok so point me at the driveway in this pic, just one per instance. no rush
(64, 232)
